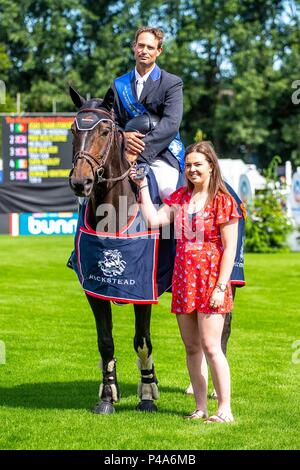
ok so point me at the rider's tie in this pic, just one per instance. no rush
(139, 87)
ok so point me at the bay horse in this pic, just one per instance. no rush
(100, 173)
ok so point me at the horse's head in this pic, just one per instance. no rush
(93, 134)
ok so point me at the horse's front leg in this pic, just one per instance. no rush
(109, 390)
(147, 389)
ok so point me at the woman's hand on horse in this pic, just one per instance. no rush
(134, 143)
(138, 182)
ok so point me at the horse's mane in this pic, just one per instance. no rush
(97, 103)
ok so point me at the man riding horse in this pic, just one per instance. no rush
(146, 91)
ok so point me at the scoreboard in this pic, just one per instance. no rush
(36, 149)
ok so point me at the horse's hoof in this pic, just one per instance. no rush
(104, 408)
(146, 405)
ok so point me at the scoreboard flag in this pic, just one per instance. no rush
(21, 164)
(36, 161)
(45, 142)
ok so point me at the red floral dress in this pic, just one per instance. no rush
(198, 252)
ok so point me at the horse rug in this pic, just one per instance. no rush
(117, 266)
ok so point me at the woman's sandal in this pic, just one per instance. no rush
(197, 414)
(220, 418)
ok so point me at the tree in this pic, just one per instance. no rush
(6, 101)
(39, 38)
(237, 58)
(267, 224)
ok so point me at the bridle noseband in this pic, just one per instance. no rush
(97, 163)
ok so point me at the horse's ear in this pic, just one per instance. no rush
(108, 100)
(76, 98)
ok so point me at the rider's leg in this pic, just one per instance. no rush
(166, 177)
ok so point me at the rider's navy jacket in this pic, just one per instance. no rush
(164, 98)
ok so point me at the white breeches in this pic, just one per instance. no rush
(166, 177)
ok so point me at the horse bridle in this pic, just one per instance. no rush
(97, 163)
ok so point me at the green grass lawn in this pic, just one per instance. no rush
(51, 379)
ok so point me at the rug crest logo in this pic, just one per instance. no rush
(113, 264)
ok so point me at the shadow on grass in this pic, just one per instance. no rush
(79, 395)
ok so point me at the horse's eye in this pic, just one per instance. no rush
(104, 132)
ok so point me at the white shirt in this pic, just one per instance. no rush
(140, 81)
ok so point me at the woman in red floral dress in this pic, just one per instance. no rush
(206, 227)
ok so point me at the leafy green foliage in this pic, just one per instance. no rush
(5, 65)
(237, 58)
(267, 224)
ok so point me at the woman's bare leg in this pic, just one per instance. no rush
(196, 362)
(210, 328)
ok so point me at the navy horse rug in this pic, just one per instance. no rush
(119, 266)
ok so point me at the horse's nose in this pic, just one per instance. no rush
(81, 187)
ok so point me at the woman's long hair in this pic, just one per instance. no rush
(216, 182)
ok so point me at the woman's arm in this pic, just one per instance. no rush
(229, 236)
(154, 218)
